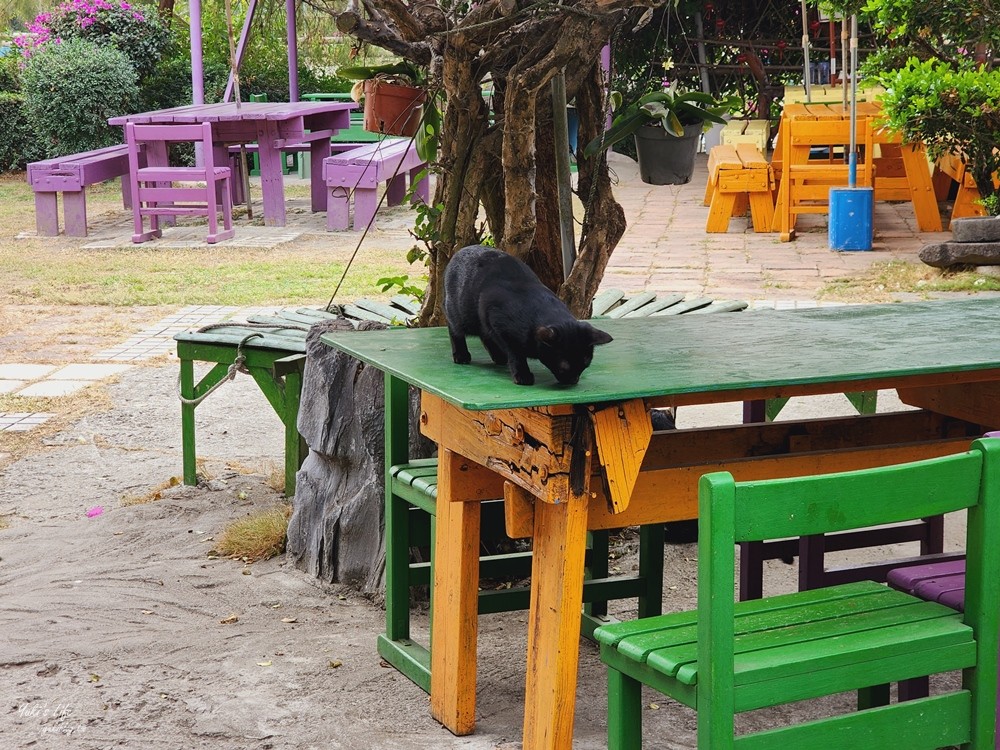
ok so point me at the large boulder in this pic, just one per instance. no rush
(336, 529)
(976, 229)
(944, 254)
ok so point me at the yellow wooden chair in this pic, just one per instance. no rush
(810, 179)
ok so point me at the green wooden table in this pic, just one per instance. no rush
(584, 457)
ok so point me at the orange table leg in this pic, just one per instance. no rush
(560, 535)
(918, 177)
(455, 624)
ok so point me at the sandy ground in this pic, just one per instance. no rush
(111, 631)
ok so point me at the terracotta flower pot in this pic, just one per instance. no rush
(392, 109)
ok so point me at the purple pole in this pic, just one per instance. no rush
(197, 64)
(293, 53)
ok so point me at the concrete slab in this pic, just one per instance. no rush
(24, 371)
(54, 388)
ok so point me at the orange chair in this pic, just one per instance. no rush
(810, 179)
(154, 194)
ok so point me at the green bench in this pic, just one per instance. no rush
(272, 350)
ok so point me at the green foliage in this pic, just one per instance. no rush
(932, 28)
(670, 108)
(18, 145)
(404, 285)
(950, 110)
(71, 89)
(10, 73)
(992, 204)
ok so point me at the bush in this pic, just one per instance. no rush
(70, 91)
(948, 109)
(10, 73)
(138, 34)
(18, 145)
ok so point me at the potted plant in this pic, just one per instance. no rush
(395, 98)
(950, 109)
(666, 125)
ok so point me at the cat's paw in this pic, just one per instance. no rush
(527, 378)
(462, 358)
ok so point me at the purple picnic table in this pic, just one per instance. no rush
(273, 126)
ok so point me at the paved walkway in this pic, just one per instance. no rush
(665, 249)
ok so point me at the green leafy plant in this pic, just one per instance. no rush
(670, 108)
(401, 73)
(18, 146)
(404, 285)
(70, 91)
(950, 110)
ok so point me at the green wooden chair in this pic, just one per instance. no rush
(728, 658)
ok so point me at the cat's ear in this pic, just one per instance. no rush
(597, 336)
(545, 334)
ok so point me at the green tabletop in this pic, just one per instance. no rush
(708, 353)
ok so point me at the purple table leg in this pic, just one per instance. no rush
(75, 210)
(46, 214)
(272, 184)
(318, 151)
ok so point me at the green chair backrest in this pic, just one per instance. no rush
(731, 512)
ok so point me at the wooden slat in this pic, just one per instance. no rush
(622, 435)
(605, 300)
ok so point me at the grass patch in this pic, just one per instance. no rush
(210, 276)
(257, 537)
(885, 280)
(54, 271)
(152, 496)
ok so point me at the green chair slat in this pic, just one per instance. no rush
(313, 313)
(804, 647)
(686, 306)
(655, 305)
(386, 311)
(604, 301)
(732, 305)
(360, 313)
(406, 302)
(633, 303)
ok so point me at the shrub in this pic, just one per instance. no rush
(10, 73)
(18, 145)
(70, 91)
(138, 34)
(948, 109)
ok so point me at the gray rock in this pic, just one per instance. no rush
(946, 254)
(976, 229)
(335, 531)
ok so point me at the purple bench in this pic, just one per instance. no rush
(70, 175)
(358, 173)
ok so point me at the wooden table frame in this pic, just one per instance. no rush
(582, 463)
(901, 173)
(273, 126)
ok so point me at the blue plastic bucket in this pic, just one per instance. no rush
(851, 211)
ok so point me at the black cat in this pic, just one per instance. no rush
(495, 296)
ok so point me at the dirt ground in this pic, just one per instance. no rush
(112, 626)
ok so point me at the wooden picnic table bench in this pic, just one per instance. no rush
(357, 173)
(71, 175)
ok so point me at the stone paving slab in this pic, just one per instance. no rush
(22, 421)
(53, 388)
(24, 372)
